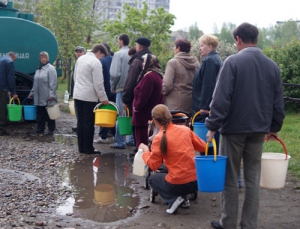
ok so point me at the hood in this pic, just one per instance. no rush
(188, 61)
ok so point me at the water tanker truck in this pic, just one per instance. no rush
(20, 34)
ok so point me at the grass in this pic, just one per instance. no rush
(61, 89)
(290, 135)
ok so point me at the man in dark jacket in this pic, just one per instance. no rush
(247, 106)
(136, 66)
(142, 48)
(7, 87)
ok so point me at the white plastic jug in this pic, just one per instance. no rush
(139, 166)
(66, 97)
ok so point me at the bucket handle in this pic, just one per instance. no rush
(50, 100)
(195, 115)
(13, 99)
(127, 112)
(112, 103)
(24, 100)
(213, 141)
(283, 145)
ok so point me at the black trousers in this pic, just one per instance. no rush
(42, 118)
(3, 110)
(85, 125)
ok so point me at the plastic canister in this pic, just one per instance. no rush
(139, 166)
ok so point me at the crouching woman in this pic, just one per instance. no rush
(174, 146)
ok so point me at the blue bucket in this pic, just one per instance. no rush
(211, 171)
(201, 131)
(29, 112)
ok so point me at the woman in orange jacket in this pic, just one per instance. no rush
(174, 146)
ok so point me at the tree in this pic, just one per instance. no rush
(71, 21)
(285, 32)
(194, 31)
(264, 38)
(226, 33)
(155, 25)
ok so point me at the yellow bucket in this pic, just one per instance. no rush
(104, 194)
(105, 117)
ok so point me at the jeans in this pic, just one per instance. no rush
(249, 148)
(119, 139)
(170, 192)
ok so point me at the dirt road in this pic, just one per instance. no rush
(279, 209)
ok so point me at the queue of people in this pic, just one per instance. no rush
(241, 98)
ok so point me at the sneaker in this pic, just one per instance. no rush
(130, 143)
(115, 146)
(185, 204)
(175, 205)
(101, 140)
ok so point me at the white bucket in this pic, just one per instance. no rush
(273, 170)
(53, 111)
(72, 108)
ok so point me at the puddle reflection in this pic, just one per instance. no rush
(104, 194)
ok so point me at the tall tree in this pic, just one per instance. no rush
(71, 21)
(285, 32)
(27, 6)
(155, 25)
(194, 31)
(264, 38)
(226, 32)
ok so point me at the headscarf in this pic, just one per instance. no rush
(151, 65)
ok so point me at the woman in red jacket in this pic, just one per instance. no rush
(174, 146)
(147, 94)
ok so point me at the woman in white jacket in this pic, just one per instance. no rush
(44, 93)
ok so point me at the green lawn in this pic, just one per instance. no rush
(290, 135)
(62, 87)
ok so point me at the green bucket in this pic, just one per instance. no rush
(110, 106)
(14, 111)
(124, 124)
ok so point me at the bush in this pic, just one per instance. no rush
(287, 58)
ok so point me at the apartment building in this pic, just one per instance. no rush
(109, 9)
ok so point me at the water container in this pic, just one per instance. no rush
(139, 166)
(66, 98)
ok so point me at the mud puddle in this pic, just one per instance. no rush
(102, 189)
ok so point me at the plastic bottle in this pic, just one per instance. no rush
(66, 98)
(139, 166)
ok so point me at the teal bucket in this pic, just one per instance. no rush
(211, 171)
(29, 111)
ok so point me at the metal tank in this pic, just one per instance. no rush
(20, 34)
